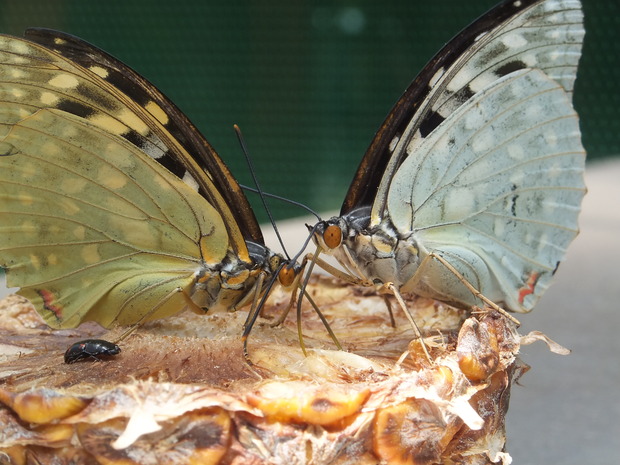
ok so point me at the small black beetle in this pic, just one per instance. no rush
(94, 348)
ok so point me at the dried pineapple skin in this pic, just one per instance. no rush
(180, 392)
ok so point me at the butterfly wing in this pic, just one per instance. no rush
(69, 74)
(47, 100)
(497, 186)
(182, 149)
(92, 228)
(545, 35)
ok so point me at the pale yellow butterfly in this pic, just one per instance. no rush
(113, 207)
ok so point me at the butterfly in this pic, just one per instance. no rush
(470, 190)
(113, 207)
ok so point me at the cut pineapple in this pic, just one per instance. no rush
(180, 392)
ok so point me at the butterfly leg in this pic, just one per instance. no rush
(348, 277)
(389, 309)
(302, 285)
(256, 308)
(252, 314)
(287, 310)
(401, 302)
(435, 256)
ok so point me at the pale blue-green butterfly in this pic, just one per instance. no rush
(470, 191)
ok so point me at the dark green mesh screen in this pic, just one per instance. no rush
(308, 82)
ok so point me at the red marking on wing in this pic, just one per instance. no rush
(48, 302)
(529, 286)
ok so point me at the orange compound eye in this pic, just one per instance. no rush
(332, 236)
(287, 276)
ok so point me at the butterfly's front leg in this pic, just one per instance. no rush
(393, 289)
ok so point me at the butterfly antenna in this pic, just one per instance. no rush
(283, 199)
(258, 188)
(306, 242)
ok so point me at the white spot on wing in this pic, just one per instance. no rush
(17, 73)
(19, 47)
(64, 81)
(394, 143)
(69, 131)
(152, 150)
(533, 111)
(72, 185)
(552, 5)
(481, 82)
(49, 149)
(157, 112)
(516, 178)
(79, 232)
(483, 142)
(529, 59)
(90, 254)
(554, 55)
(49, 98)
(436, 77)
(190, 181)
(542, 242)
(17, 93)
(515, 152)
(551, 138)
(462, 78)
(111, 178)
(554, 171)
(25, 199)
(35, 262)
(514, 40)
(480, 36)
(99, 71)
(459, 202)
(68, 206)
(473, 120)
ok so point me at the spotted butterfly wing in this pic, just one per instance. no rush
(479, 164)
(113, 207)
(169, 136)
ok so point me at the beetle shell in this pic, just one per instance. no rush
(94, 348)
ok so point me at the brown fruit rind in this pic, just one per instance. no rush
(175, 395)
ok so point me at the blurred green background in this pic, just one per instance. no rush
(308, 82)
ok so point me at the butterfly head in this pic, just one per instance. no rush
(287, 271)
(289, 274)
(328, 235)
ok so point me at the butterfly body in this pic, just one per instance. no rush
(113, 207)
(476, 176)
(231, 283)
